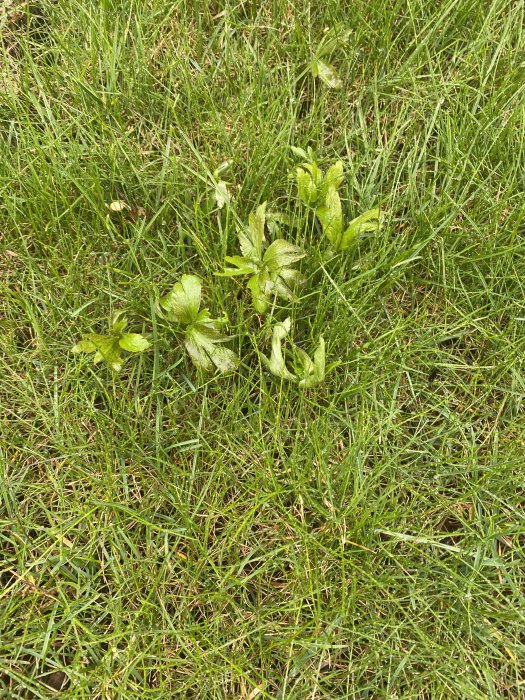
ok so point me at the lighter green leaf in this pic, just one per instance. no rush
(84, 346)
(243, 266)
(320, 358)
(184, 301)
(118, 322)
(118, 205)
(224, 359)
(251, 242)
(315, 171)
(201, 339)
(368, 222)
(306, 187)
(306, 366)
(286, 282)
(210, 327)
(331, 217)
(276, 363)
(133, 342)
(109, 351)
(198, 355)
(259, 298)
(222, 168)
(328, 74)
(222, 194)
(313, 372)
(282, 254)
(334, 178)
(299, 152)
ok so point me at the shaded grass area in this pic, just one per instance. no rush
(165, 536)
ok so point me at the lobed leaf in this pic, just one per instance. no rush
(282, 254)
(243, 266)
(184, 300)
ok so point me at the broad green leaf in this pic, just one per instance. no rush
(198, 355)
(118, 205)
(201, 339)
(306, 186)
(368, 222)
(259, 298)
(299, 152)
(328, 74)
(306, 366)
(211, 327)
(252, 240)
(224, 359)
(286, 283)
(282, 254)
(133, 342)
(276, 363)
(84, 346)
(331, 217)
(334, 178)
(320, 358)
(275, 218)
(109, 351)
(223, 167)
(184, 301)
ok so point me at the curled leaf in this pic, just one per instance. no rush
(222, 194)
(271, 274)
(368, 222)
(276, 363)
(260, 299)
(334, 178)
(242, 266)
(202, 339)
(251, 241)
(313, 373)
(327, 73)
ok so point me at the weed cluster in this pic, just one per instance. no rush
(272, 275)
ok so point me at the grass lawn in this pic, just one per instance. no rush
(167, 534)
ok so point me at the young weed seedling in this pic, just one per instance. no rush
(326, 72)
(271, 272)
(308, 372)
(202, 333)
(109, 347)
(320, 190)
